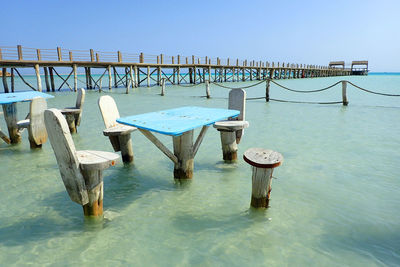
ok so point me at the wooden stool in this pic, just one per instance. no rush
(263, 162)
(81, 171)
(74, 114)
(232, 130)
(119, 134)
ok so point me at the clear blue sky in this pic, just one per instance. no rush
(308, 31)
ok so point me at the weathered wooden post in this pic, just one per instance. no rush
(38, 79)
(10, 115)
(109, 77)
(131, 76)
(141, 58)
(70, 56)
(12, 80)
(344, 97)
(19, 48)
(148, 76)
(183, 150)
(4, 77)
(162, 86)
(46, 78)
(53, 88)
(119, 56)
(136, 76)
(75, 78)
(208, 89)
(59, 54)
(263, 162)
(267, 90)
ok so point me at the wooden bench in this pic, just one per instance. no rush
(263, 162)
(81, 171)
(232, 130)
(74, 114)
(119, 134)
(35, 123)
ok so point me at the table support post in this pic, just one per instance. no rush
(10, 114)
(183, 150)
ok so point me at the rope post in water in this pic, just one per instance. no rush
(344, 97)
(162, 86)
(267, 91)
(208, 89)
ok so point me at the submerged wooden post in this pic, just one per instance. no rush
(267, 90)
(109, 77)
(46, 78)
(208, 89)
(75, 77)
(52, 79)
(183, 150)
(162, 86)
(38, 79)
(229, 145)
(344, 97)
(10, 115)
(263, 162)
(148, 76)
(12, 80)
(4, 77)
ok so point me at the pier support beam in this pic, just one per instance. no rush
(38, 79)
(4, 77)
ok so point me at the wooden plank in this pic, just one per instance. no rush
(96, 160)
(159, 145)
(109, 111)
(199, 139)
(65, 152)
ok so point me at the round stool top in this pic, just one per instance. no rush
(262, 158)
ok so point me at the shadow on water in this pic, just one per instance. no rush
(121, 188)
(368, 240)
(195, 223)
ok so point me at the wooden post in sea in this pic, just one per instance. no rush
(162, 86)
(208, 89)
(75, 78)
(12, 80)
(263, 162)
(344, 97)
(267, 90)
(90, 78)
(46, 78)
(115, 78)
(38, 79)
(131, 76)
(4, 77)
(52, 79)
(109, 77)
(148, 76)
(10, 115)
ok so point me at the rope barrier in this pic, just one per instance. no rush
(308, 91)
(243, 87)
(372, 92)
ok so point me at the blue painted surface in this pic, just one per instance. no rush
(179, 120)
(21, 96)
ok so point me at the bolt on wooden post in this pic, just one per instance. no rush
(263, 162)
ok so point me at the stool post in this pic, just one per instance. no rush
(125, 144)
(94, 184)
(208, 89)
(229, 145)
(71, 122)
(263, 162)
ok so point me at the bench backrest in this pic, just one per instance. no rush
(37, 129)
(65, 152)
(80, 99)
(237, 101)
(108, 110)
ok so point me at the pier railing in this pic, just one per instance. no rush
(58, 54)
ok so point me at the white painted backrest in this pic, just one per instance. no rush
(237, 101)
(65, 152)
(36, 128)
(80, 99)
(108, 110)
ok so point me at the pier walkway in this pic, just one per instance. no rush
(142, 69)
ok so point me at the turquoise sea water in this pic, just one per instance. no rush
(335, 201)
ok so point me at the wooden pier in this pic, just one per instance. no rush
(141, 69)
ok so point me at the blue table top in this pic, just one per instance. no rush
(21, 96)
(179, 120)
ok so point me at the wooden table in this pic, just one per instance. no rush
(9, 102)
(180, 124)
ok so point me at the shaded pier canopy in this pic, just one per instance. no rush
(359, 67)
(336, 64)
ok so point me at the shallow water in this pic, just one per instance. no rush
(335, 200)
